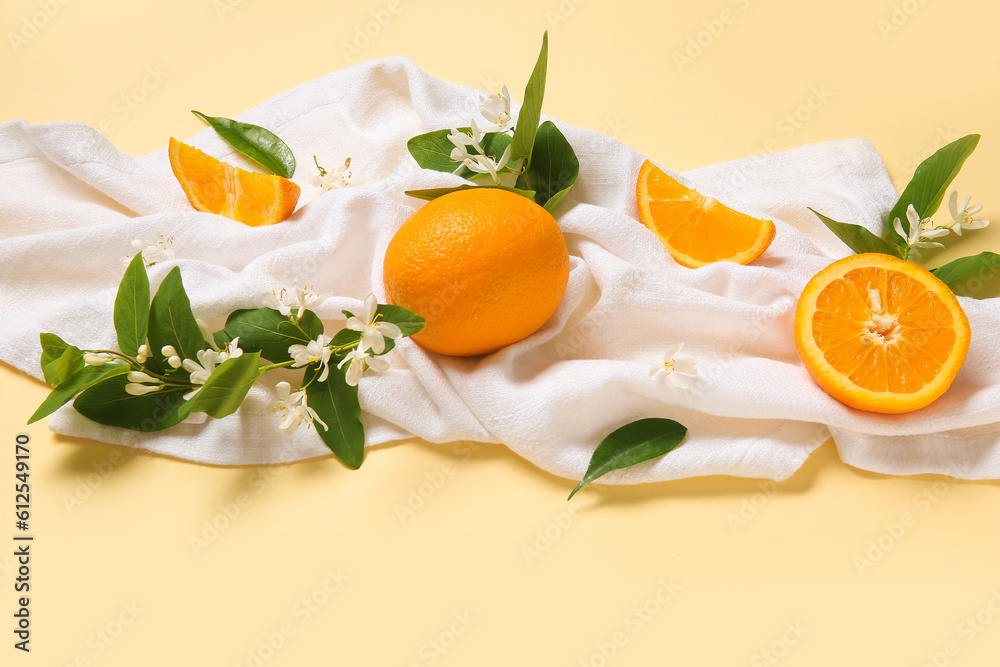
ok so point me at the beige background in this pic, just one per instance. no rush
(119, 578)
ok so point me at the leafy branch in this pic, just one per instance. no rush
(170, 366)
(532, 160)
(909, 226)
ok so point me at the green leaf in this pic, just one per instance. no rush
(52, 349)
(107, 402)
(966, 266)
(228, 385)
(87, 376)
(858, 238)
(65, 367)
(554, 166)
(631, 444)
(434, 193)
(267, 331)
(336, 403)
(171, 322)
(257, 143)
(132, 307)
(531, 110)
(433, 149)
(930, 181)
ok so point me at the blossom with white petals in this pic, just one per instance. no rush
(918, 230)
(231, 351)
(200, 370)
(152, 251)
(315, 352)
(329, 179)
(495, 108)
(373, 332)
(671, 366)
(478, 162)
(293, 409)
(360, 361)
(297, 297)
(143, 353)
(963, 219)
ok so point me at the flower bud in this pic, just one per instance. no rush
(140, 389)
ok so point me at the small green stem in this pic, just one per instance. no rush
(270, 367)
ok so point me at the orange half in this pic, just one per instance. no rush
(216, 187)
(697, 230)
(880, 333)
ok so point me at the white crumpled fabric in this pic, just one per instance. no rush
(70, 205)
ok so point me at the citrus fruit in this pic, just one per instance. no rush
(880, 333)
(216, 187)
(697, 230)
(485, 268)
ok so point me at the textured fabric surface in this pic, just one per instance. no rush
(70, 204)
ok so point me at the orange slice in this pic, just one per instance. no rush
(697, 230)
(216, 187)
(880, 333)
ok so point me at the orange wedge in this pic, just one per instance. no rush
(216, 187)
(880, 333)
(697, 230)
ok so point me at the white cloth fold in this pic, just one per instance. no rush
(70, 205)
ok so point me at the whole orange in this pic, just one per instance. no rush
(485, 268)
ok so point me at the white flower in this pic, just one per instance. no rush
(495, 108)
(316, 352)
(485, 165)
(328, 180)
(671, 366)
(143, 354)
(96, 359)
(231, 351)
(293, 409)
(373, 333)
(200, 370)
(360, 361)
(297, 297)
(478, 162)
(964, 219)
(152, 251)
(918, 231)
(461, 141)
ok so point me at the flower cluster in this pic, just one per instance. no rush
(495, 109)
(360, 356)
(923, 231)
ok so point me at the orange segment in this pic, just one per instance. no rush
(697, 230)
(880, 334)
(216, 187)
